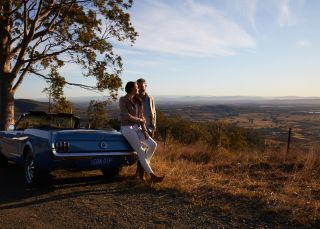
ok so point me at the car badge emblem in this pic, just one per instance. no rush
(103, 145)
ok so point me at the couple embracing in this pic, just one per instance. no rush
(138, 125)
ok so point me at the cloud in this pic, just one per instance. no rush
(243, 9)
(282, 12)
(127, 52)
(285, 18)
(287, 11)
(145, 63)
(134, 72)
(302, 43)
(188, 28)
(251, 6)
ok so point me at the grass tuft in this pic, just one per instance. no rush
(260, 182)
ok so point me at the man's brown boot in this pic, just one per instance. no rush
(138, 168)
(156, 179)
(140, 171)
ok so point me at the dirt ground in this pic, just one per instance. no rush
(87, 200)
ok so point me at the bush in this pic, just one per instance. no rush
(214, 133)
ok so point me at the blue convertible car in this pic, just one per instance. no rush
(45, 142)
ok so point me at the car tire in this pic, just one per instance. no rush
(111, 172)
(3, 160)
(32, 174)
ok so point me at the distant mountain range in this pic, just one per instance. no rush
(164, 103)
(238, 99)
(202, 98)
(198, 99)
(25, 105)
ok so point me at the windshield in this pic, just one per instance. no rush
(47, 121)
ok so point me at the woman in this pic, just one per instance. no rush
(133, 128)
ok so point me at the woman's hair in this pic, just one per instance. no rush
(129, 86)
(128, 89)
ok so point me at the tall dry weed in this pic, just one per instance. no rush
(311, 163)
(281, 181)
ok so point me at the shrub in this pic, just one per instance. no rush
(213, 133)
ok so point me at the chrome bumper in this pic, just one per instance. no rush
(93, 154)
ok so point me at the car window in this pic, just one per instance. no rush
(47, 121)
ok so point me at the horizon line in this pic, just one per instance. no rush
(192, 96)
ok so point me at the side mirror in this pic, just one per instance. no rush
(11, 127)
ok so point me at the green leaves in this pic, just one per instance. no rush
(44, 35)
(97, 114)
(40, 37)
(213, 133)
(56, 82)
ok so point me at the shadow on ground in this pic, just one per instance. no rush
(64, 185)
(206, 208)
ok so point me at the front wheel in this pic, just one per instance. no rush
(111, 172)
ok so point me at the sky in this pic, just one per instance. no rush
(215, 48)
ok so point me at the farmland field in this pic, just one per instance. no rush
(271, 118)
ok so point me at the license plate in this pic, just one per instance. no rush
(101, 161)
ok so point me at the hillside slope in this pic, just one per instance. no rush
(26, 105)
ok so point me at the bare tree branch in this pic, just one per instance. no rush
(25, 19)
(21, 77)
(52, 25)
(87, 87)
(25, 42)
(40, 57)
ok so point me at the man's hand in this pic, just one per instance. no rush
(154, 128)
(146, 135)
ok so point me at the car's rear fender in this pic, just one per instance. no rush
(40, 149)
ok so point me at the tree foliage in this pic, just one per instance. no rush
(58, 102)
(213, 133)
(62, 105)
(38, 36)
(97, 114)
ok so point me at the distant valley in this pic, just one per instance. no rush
(272, 117)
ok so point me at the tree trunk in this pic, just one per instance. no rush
(6, 80)
(6, 104)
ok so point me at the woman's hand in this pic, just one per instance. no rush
(142, 121)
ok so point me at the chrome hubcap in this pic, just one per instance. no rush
(30, 170)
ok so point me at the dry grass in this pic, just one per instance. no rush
(249, 183)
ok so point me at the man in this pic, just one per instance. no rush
(149, 107)
(133, 128)
(149, 114)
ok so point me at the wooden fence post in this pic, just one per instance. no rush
(165, 140)
(289, 140)
(219, 134)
